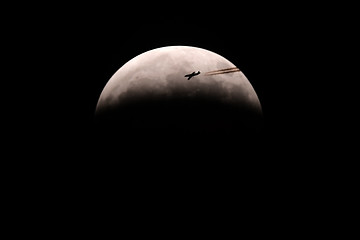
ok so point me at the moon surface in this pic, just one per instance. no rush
(151, 92)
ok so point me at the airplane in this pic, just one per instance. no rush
(190, 75)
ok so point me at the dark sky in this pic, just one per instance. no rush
(262, 49)
(78, 48)
(85, 46)
(270, 47)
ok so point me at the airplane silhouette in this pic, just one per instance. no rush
(190, 75)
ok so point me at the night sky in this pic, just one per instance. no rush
(262, 49)
(91, 48)
(83, 46)
(86, 46)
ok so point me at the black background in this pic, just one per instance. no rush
(276, 50)
(278, 175)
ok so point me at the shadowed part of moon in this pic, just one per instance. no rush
(150, 94)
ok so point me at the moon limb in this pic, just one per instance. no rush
(158, 74)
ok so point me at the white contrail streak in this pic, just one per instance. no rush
(222, 71)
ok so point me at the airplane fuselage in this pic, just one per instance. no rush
(192, 74)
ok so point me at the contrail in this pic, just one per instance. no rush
(222, 71)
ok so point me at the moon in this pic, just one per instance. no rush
(151, 91)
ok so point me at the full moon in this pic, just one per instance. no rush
(151, 92)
